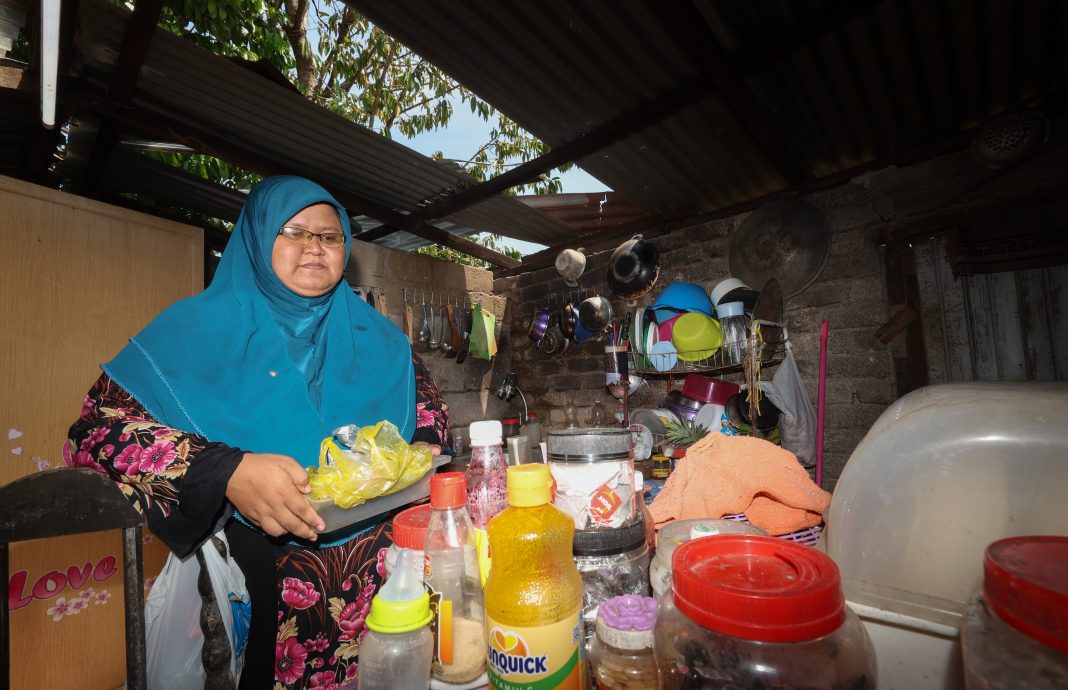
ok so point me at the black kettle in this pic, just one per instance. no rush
(633, 268)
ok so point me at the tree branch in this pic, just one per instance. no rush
(296, 31)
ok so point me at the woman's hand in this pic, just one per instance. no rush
(433, 448)
(269, 490)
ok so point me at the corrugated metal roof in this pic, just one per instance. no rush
(193, 86)
(840, 82)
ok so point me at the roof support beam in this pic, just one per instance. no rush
(161, 126)
(135, 42)
(641, 117)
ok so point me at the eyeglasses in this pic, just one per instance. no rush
(329, 240)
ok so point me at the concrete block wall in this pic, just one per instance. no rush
(850, 293)
(468, 388)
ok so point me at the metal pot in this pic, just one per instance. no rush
(568, 320)
(633, 268)
(538, 325)
(595, 313)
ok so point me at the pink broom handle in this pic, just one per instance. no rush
(822, 396)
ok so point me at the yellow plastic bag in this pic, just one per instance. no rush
(378, 462)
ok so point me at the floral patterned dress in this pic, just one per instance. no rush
(309, 601)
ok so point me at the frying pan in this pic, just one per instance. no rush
(789, 240)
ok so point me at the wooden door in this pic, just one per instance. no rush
(78, 278)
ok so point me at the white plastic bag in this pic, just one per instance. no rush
(797, 424)
(173, 638)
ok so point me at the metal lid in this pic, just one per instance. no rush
(589, 445)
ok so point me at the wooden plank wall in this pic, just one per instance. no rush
(1010, 326)
(78, 278)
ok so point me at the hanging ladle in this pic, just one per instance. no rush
(424, 330)
(445, 341)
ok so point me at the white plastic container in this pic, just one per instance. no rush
(674, 534)
(945, 471)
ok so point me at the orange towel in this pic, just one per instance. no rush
(739, 474)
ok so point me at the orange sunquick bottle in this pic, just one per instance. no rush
(534, 592)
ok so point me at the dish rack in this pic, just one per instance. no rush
(770, 339)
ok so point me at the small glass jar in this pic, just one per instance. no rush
(598, 415)
(621, 655)
(661, 466)
(1015, 632)
(749, 611)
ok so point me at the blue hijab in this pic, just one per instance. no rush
(252, 364)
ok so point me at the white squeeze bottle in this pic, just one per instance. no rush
(398, 649)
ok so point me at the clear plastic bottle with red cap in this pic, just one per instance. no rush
(1015, 631)
(747, 611)
(451, 572)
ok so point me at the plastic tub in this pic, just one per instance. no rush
(945, 471)
(674, 534)
(748, 611)
(336, 517)
(1015, 632)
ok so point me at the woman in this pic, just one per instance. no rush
(208, 416)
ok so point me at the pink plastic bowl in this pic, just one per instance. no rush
(664, 329)
(707, 389)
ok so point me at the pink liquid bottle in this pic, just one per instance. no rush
(487, 492)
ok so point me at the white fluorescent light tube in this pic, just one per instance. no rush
(49, 60)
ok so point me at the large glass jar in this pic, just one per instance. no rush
(612, 563)
(748, 611)
(1015, 632)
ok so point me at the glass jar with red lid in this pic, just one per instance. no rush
(747, 611)
(1015, 631)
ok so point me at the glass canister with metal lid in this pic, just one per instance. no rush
(612, 562)
(594, 474)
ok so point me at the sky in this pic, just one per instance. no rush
(465, 133)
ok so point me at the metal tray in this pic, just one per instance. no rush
(336, 517)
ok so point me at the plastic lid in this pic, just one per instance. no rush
(486, 433)
(607, 542)
(529, 485)
(1025, 582)
(409, 527)
(698, 531)
(758, 588)
(626, 622)
(730, 309)
(448, 490)
(399, 616)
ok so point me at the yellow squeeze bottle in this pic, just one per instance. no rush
(534, 592)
